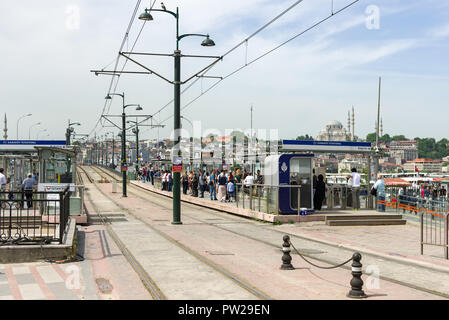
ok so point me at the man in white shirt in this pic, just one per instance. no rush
(355, 176)
(3, 181)
(249, 179)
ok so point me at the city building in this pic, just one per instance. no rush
(346, 165)
(403, 150)
(423, 165)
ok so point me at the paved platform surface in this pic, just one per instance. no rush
(246, 249)
(103, 275)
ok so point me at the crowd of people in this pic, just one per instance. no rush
(221, 185)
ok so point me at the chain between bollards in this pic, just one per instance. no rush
(356, 268)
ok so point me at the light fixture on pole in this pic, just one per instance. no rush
(146, 16)
(29, 130)
(37, 135)
(70, 130)
(27, 115)
(124, 166)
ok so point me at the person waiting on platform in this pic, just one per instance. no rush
(380, 191)
(355, 185)
(320, 192)
(27, 186)
(3, 181)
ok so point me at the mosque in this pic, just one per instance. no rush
(334, 130)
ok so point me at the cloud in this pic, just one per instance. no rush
(440, 32)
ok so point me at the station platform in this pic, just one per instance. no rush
(248, 250)
(243, 212)
(222, 256)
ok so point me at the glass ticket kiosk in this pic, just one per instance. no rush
(284, 173)
(56, 166)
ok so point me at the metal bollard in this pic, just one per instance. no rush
(286, 258)
(356, 281)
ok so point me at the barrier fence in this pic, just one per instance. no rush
(33, 217)
(265, 198)
(433, 215)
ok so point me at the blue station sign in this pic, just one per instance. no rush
(325, 146)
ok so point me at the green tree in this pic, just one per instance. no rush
(306, 137)
(371, 137)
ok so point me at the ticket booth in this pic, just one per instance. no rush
(286, 172)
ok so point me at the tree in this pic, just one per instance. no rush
(429, 148)
(371, 137)
(306, 138)
(399, 137)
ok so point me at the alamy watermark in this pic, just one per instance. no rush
(372, 21)
(227, 147)
(73, 18)
(373, 280)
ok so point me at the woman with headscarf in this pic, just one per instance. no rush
(320, 193)
(222, 181)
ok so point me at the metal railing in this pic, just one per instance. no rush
(264, 198)
(432, 214)
(33, 217)
(340, 197)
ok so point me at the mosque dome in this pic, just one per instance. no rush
(334, 131)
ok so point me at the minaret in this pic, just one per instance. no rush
(353, 123)
(349, 124)
(5, 129)
(381, 128)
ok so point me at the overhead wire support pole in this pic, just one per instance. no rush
(141, 65)
(117, 73)
(146, 16)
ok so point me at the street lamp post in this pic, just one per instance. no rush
(123, 161)
(27, 115)
(29, 130)
(37, 135)
(136, 132)
(146, 16)
(69, 131)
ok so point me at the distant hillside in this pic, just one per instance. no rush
(427, 147)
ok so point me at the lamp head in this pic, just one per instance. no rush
(146, 16)
(208, 42)
(139, 108)
(108, 97)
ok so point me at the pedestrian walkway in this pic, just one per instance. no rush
(402, 241)
(103, 275)
(247, 249)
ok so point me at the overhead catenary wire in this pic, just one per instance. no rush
(262, 55)
(245, 41)
(124, 41)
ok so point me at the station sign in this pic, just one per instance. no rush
(28, 145)
(177, 164)
(124, 166)
(325, 146)
(55, 187)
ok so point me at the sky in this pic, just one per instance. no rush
(50, 47)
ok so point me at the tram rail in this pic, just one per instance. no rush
(132, 189)
(242, 283)
(149, 284)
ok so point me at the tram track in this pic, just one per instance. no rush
(149, 284)
(143, 192)
(241, 282)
